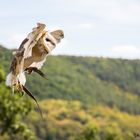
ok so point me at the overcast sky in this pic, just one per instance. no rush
(109, 28)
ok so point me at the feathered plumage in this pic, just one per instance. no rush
(31, 55)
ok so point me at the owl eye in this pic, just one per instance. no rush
(48, 40)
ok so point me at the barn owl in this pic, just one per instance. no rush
(31, 55)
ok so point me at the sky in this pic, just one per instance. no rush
(103, 28)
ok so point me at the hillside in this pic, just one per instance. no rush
(91, 80)
(69, 120)
(83, 98)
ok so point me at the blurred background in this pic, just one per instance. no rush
(93, 91)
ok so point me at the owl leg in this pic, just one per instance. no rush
(30, 69)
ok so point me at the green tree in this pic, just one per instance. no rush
(90, 132)
(13, 109)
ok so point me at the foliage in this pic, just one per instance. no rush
(13, 109)
(2, 74)
(90, 132)
(102, 122)
(81, 78)
(88, 99)
(112, 82)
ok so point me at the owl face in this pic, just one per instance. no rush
(53, 38)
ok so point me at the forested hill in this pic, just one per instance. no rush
(91, 80)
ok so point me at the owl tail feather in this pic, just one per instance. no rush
(30, 94)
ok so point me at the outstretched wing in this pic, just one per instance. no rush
(43, 47)
(31, 40)
(31, 55)
(24, 51)
(32, 52)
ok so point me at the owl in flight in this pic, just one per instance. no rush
(31, 55)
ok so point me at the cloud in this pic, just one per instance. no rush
(125, 49)
(80, 26)
(129, 51)
(91, 27)
(62, 47)
(121, 51)
(110, 10)
(86, 26)
(15, 40)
